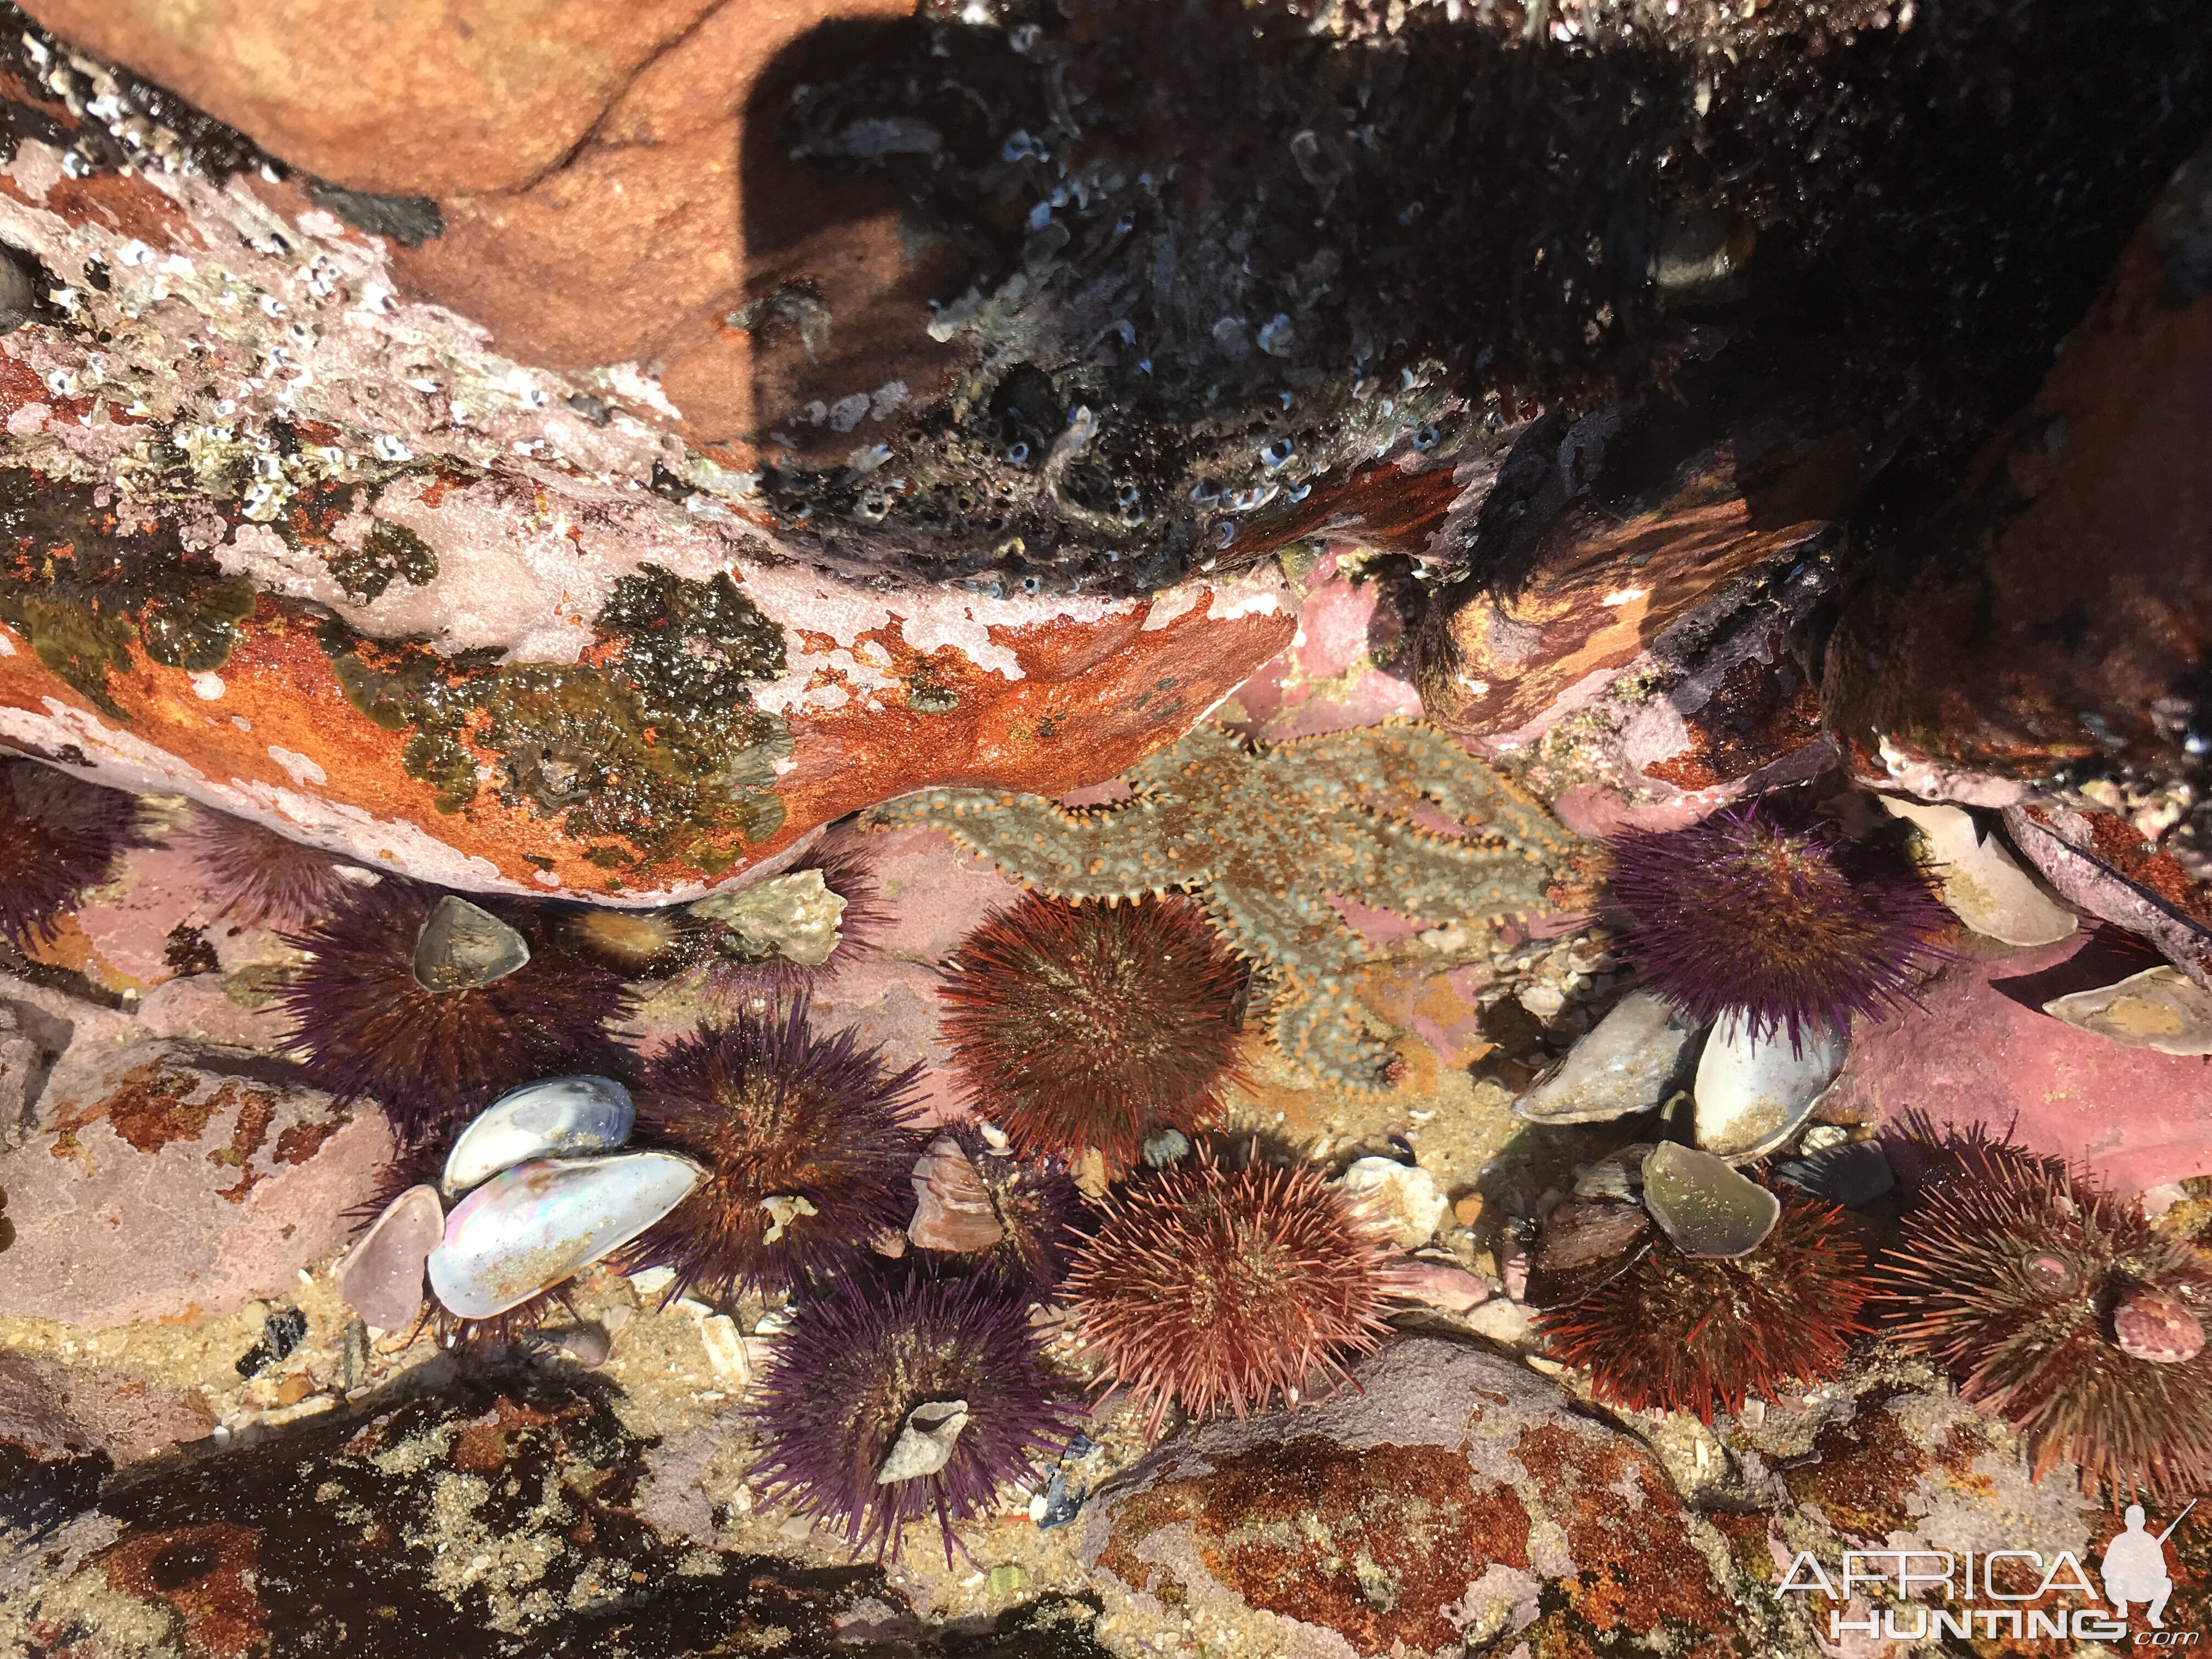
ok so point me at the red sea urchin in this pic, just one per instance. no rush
(1094, 1025)
(1683, 1333)
(808, 1144)
(1217, 1287)
(858, 1372)
(2030, 1286)
(262, 878)
(1789, 925)
(58, 836)
(371, 1030)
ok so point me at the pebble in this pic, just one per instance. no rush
(1404, 1195)
(725, 1350)
(1468, 1210)
(2157, 1326)
(1545, 1002)
(1439, 1284)
(653, 1280)
(1504, 1321)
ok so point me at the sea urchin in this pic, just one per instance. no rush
(808, 1144)
(1790, 927)
(371, 1030)
(261, 877)
(888, 1400)
(1094, 1025)
(58, 836)
(1675, 1331)
(1217, 1287)
(2059, 1305)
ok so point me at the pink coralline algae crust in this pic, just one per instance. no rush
(1980, 1050)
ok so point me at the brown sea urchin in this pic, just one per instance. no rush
(371, 1030)
(2033, 1287)
(1790, 924)
(891, 1399)
(1093, 1024)
(808, 1144)
(1694, 1333)
(58, 836)
(1217, 1287)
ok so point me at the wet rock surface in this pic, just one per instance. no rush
(168, 1177)
(491, 1519)
(1458, 1499)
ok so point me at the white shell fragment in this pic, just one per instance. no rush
(1751, 1096)
(925, 1444)
(529, 1228)
(2160, 1008)
(1403, 1197)
(561, 1117)
(1980, 881)
(1622, 1065)
(797, 916)
(463, 946)
(1704, 1205)
(380, 1278)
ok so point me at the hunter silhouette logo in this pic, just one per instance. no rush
(2134, 1567)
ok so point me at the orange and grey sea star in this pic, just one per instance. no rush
(1263, 837)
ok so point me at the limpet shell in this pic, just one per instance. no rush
(560, 1118)
(380, 1278)
(1752, 1095)
(529, 1228)
(463, 946)
(1704, 1205)
(2161, 1008)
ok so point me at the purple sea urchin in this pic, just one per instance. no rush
(1790, 927)
(2029, 1284)
(807, 1140)
(370, 1029)
(1029, 1206)
(1094, 1025)
(1683, 1333)
(845, 1402)
(263, 877)
(848, 870)
(58, 836)
(1217, 1287)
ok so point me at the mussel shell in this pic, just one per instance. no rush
(380, 1278)
(1753, 1095)
(1585, 1243)
(529, 1228)
(1628, 1062)
(560, 1118)
(1703, 1206)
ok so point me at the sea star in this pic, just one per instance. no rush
(1263, 837)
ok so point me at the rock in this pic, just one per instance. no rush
(1598, 558)
(284, 1545)
(2103, 864)
(1981, 882)
(1852, 1174)
(2160, 1008)
(169, 1180)
(1980, 1049)
(2062, 612)
(1626, 1063)
(1403, 1196)
(1348, 664)
(51, 1411)
(1456, 1502)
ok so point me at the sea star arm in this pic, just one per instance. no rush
(1076, 855)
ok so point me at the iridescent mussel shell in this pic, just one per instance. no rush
(560, 1118)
